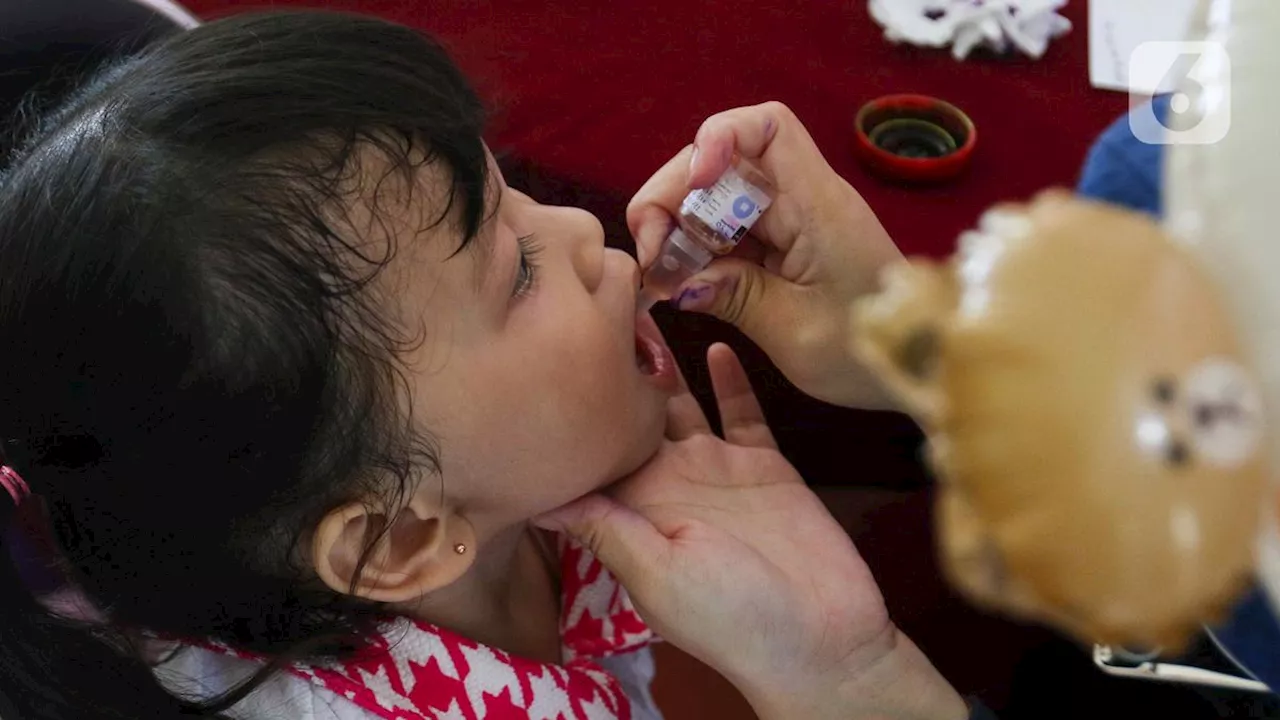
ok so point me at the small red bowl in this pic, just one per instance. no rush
(914, 138)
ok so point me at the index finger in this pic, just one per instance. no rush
(746, 130)
(651, 214)
(768, 134)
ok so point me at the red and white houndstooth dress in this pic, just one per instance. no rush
(417, 671)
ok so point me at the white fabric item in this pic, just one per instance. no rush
(198, 674)
(1027, 26)
(635, 671)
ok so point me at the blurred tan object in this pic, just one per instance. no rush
(1091, 415)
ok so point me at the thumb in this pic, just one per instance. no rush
(744, 294)
(624, 540)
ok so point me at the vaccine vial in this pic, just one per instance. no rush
(712, 221)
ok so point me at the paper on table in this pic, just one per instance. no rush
(1117, 27)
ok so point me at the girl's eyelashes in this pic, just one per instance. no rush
(527, 276)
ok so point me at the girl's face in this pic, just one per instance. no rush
(534, 374)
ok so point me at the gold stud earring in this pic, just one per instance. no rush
(460, 549)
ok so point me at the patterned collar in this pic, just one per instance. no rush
(417, 671)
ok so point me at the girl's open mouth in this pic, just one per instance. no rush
(653, 357)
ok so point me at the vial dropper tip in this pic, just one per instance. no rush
(645, 301)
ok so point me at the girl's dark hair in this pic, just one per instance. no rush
(195, 364)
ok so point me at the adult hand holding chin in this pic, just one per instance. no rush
(728, 554)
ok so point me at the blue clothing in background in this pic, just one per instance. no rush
(1123, 170)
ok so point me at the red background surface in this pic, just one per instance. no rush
(601, 93)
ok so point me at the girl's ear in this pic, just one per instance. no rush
(423, 550)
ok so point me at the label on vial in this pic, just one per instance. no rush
(729, 207)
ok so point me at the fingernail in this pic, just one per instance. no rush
(693, 160)
(698, 297)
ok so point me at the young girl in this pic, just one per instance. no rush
(291, 368)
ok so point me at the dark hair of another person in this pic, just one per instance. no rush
(196, 366)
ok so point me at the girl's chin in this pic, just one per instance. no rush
(647, 439)
(645, 447)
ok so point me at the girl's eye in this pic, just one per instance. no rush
(527, 276)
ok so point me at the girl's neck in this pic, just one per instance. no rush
(508, 599)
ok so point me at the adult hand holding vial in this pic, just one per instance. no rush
(814, 248)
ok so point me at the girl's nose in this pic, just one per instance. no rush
(586, 244)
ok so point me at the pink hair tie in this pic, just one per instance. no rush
(13, 482)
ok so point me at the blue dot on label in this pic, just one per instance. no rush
(743, 207)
